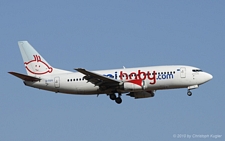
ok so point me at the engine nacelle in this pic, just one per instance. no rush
(142, 94)
(134, 85)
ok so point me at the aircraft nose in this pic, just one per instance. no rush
(208, 77)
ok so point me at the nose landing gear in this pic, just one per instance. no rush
(118, 99)
(189, 93)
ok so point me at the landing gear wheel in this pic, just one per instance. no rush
(189, 93)
(118, 100)
(112, 96)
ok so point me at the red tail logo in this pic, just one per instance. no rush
(37, 66)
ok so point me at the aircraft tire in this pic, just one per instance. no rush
(118, 100)
(112, 96)
(189, 93)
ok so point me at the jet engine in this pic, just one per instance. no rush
(141, 94)
(134, 85)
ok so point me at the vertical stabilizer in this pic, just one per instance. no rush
(35, 64)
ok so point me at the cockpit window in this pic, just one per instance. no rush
(196, 70)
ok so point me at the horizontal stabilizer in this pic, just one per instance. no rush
(25, 77)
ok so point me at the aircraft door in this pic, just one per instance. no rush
(183, 72)
(57, 82)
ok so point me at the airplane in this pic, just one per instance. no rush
(141, 82)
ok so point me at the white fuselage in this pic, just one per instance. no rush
(141, 82)
(154, 78)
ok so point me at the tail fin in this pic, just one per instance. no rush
(34, 63)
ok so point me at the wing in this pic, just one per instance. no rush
(25, 77)
(99, 80)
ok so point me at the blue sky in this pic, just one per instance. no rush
(112, 34)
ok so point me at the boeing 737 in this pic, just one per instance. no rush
(139, 82)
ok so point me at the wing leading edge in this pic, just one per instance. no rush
(99, 80)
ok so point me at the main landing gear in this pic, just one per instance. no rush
(189, 93)
(118, 99)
